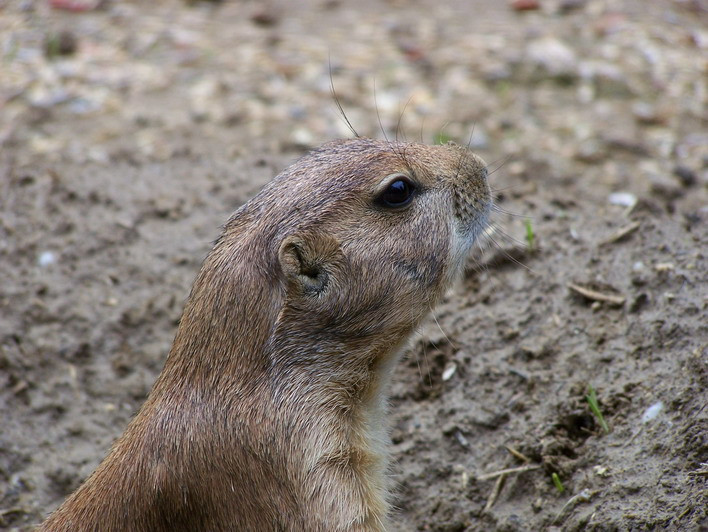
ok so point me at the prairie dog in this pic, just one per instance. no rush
(269, 412)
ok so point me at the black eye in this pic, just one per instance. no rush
(398, 193)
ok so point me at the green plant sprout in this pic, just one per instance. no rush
(557, 482)
(591, 398)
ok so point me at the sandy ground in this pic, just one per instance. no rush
(129, 133)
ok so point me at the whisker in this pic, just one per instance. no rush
(511, 258)
(496, 208)
(395, 147)
(400, 117)
(469, 141)
(447, 338)
(506, 237)
(478, 266)
(502, 189)
(336, 100)
(503, 160)
(417, 363)
(422, 123)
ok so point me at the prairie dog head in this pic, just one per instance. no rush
(365, 237)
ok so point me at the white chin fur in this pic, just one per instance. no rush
(462, 240)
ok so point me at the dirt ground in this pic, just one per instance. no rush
(130, 132)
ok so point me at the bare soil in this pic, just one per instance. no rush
(130, 132)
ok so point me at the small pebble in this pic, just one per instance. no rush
(265, 16)
(625, 199)
(461, 439)
(537, 505)
(303, 137)
(449, 371)
(652, 412)
(76, 6)
(566, 6)
(664, 267)
(601, 471)
(553, 55)
(591, 151)
(525, 5)
(46, 258)
(646, 113)
(663, 186)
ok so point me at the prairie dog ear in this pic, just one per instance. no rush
(309, 261)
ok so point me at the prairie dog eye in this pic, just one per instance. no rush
(397, 193)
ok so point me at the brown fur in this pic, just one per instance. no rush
(269, 412)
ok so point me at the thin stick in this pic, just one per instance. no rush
(510, 471)
(620, 233)
(518, 454)
(597, 296)
(496, 490)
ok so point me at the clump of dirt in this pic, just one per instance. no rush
(123, 153)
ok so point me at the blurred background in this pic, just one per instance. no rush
(129, 131)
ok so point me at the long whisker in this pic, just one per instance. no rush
(503, 160)
(508, 238)
(395, 147)
(422, 123)
(496, 208)
(441, 329)
(469, 140)
(476, 265)
(400, 118)
(489, 236)
(502, 189)
(336, 100)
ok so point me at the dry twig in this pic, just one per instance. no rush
(495, 493)
(594, 295)
(517, 454)
(510, 471)
(620, 233)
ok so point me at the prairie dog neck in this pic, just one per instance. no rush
(344, 462)
(347, 453)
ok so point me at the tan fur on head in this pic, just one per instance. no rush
(269, 412)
